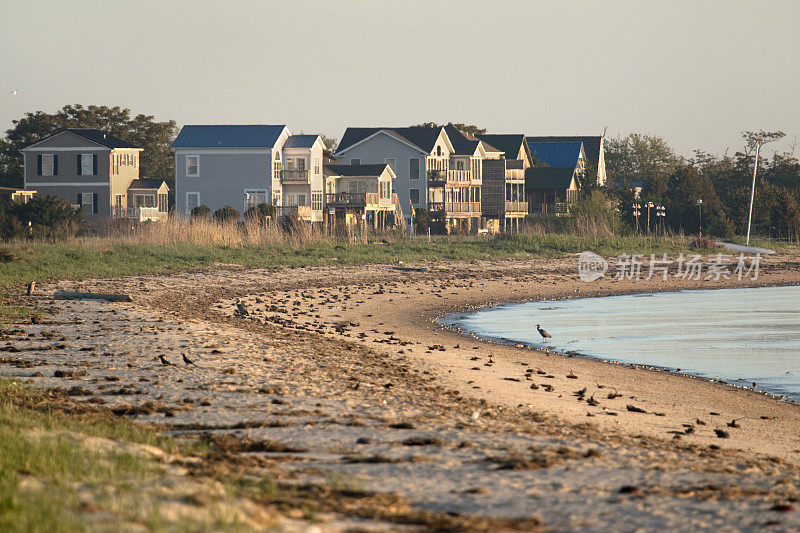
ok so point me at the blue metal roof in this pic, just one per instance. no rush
(233, 136)
(556, 154)
(301, 141)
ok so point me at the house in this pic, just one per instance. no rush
(245, 165)
(550, 190)
(300, 187)
(593, 147)
(416, 154)
(12, 194)
(227, 165)
(90, 168)
(355, 193)
(513, 145)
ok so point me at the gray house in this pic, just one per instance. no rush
(96, 170)
(416, 155)
(217, 166)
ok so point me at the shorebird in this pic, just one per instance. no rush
(542, 332)
(164, 361)
(187, 360)
(241, 308)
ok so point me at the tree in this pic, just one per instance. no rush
(466, 128)
(647, 159)
(330, 145)
(42, 216)
(260, 212)
(154, 137)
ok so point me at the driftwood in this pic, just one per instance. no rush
(66, 295)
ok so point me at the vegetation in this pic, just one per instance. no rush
(722, 183)
(201, 212)
(226, 214)
(175, 245)
(260, 212)
(42, 217)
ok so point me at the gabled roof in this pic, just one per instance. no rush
(510, 143)
(96, 136)
(355, 170)
(556, 154)
(591, 145)
(146, 183)
(228, 136)
(463, 143)
(548, 178)
(421, 137)
(301, 141)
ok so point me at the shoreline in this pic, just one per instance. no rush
(442, 320)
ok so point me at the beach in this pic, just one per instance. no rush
(343, 376)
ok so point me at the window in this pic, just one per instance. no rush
(357, 187)
(276, 198)
(301, 199)
(136, 161)
(88, 203)
(192, 201)
(316, 201)
(288, 164)
(391, 162)
(144, 200)
(86, 165)
(316, 165)
(163, 203)
(459, 165)
(301, 164)
(413, 168)
(254, 197)
(118, 202)
(355, 161)
(414, 195)
(192, 165)
(439, 151)
(47, 165)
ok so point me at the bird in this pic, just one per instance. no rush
(164, 361)
(542, 332)
(187, 360)
(241, 308)
(14, 92)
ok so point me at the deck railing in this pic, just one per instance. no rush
(295, 176)
(138, 213)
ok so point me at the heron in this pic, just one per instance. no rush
(542, 332)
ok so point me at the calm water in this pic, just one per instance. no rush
(736, 335)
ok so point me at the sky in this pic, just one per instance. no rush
(697, 73)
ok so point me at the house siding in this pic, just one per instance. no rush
(381, 147)
(223, 176)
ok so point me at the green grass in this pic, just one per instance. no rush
(44, 262)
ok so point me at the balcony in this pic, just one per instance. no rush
(139, 213)
(303, 212)
(516, 207)
(353, 199)
(296, 176)
(438, 178)
(455, 208)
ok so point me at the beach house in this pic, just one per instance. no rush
(95, 170)
(361, 194)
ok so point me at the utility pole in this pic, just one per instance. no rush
(759, 139)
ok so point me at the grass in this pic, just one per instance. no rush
(108, 258)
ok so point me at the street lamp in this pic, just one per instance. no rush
(660, 212)
(636, 213)
(700, 210)
(649, 205)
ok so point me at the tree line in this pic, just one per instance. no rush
(723, 183)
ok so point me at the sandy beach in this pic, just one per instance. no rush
(344, 377)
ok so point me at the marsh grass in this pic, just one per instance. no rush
(179, 245)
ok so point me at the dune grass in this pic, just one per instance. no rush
(102, 257)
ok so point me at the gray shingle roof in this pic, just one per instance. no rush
(510, 143)
(145, 183)
(548, 178)
(230, 136)
(101, 137)
(422, 137)
(355, 170)
(300, 141)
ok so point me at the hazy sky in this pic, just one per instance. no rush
(695, 72)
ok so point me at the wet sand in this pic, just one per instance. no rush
(345, 371)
